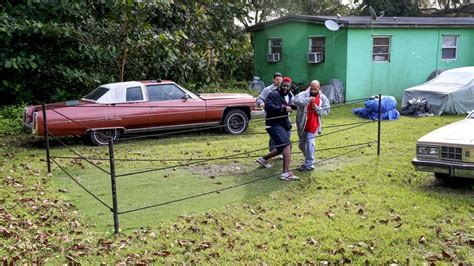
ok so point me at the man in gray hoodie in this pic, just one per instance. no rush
(312, 104)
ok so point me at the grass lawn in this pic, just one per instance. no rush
(354, 208)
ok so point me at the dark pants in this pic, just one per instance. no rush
(279, 137)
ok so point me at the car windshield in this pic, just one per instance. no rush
(96, 94)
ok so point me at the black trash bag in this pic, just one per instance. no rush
(418, 107)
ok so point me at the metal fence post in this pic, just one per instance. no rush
(114, 189)
(379, 124)
(46, 136)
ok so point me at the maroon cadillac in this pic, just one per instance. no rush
(115, 109)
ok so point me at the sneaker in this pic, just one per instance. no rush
(263, 162)
(279, 157)
(288, 176)
(305, 168)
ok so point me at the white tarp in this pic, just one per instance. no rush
(452, 92)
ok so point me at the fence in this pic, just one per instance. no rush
(112, 160)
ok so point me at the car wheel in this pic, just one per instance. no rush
(235, 122)
(441, 176)
(102, 137)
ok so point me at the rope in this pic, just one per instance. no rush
(202, 159)
(229, 156)
(77, 182)
(222, 189)
(82, 157)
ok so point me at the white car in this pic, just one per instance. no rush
(448, 151)
(452, 92)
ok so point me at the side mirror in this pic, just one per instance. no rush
(185, 97)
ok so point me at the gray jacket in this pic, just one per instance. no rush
(301, 101)
(264, 94)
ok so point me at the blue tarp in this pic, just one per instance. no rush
(389, 111)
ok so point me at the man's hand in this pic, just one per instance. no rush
(319, 110)
(288, 109)
(262, 105)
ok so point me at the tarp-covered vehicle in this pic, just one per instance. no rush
(452, 92)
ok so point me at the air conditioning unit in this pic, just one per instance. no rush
(315, 57)
(273, 57)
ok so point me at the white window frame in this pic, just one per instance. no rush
(310, 42)
(450, 47)
(270, 45)
(389, 48)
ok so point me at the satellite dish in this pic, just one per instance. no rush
(331, 25)
(373, 14)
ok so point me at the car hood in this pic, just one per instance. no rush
(456, 133)
(217, 96)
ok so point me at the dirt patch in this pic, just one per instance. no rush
(221, 169)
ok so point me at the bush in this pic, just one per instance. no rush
(11, 119)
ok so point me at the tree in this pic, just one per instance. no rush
(53, 51)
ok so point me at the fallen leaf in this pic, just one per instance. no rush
(422, 240)
(433, 258)
(203, 245)
(438, 230)
(163, 253)
(312, 241)
(330, 214)
(447, 255)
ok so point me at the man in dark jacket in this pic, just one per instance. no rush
(278, 126)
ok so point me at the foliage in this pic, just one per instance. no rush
(59, 50)
(11, 119)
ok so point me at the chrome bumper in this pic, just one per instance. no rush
(257, 113)
(457, 169)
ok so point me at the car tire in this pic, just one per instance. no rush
(441, 176)
(235, 122)
(102, 137)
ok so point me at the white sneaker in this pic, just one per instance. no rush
(288, 176)
(279, 157)
(263, 162)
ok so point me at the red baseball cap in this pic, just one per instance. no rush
(287, 79)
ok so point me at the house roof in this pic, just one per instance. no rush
(368, 22)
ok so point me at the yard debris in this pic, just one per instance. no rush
(422, 240)
(330, 214)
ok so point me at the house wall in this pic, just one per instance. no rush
(295, 42)
(415, 53)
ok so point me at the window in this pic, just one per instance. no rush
(274, 46)
(317, 44)
(381, 49)
(96, 94)
(164, 92)
(450, 45)
(134, 94)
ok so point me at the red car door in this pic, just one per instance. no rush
(132, 114)
(171, 106)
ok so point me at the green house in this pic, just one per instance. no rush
(370, 56)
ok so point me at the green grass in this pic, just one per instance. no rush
(355, 208)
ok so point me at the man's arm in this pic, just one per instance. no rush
(263, 96)
(325, 106)
(273, 107)
(301, 99)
